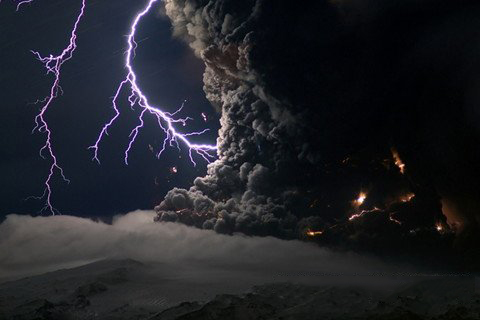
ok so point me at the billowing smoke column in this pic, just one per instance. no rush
(317, 107)
(239, 193)
(270, 146)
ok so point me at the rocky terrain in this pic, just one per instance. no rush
(108, 289)
(444, 299)
(127, 289)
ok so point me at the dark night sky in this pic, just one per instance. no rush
(313, 98)
(318, 102)
(168, 72)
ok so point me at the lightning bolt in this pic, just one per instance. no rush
(22, 2)
(166, 121)
(53, 64)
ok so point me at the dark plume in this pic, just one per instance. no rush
(318, 100)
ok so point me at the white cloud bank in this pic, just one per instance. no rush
(32, 245)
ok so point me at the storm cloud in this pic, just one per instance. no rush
(265, 156)
(313, 99)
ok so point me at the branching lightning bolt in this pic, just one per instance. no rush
(165, 120)
(53, 64)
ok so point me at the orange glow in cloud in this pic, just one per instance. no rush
(361, 199)
(398, 161)
(311, 233)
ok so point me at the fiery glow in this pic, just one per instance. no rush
(362, 213)
(439, 227)
(407, 197)
(356, 215)
(311, 233)
(398, 161)
(361, 199)
(394, 220)
(166, 121)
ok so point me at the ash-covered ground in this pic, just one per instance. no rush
(64, 267)
(128, 289)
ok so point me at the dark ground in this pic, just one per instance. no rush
(127, 289)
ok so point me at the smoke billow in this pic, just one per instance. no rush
(32, 245)
(313, 96)
(264, 151)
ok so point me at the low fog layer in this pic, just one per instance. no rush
(32, 245)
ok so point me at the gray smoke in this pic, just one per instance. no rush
(261, 141)
(313, 96)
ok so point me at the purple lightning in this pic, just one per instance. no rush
(165, 120)
(20, 3)
(53, 64)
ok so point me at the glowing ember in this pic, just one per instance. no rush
(361, 199)
(362, 213)
(398, 161)
(311, 233)
(407, 197)
(356, 215)
(394, 220)
(439, 227)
